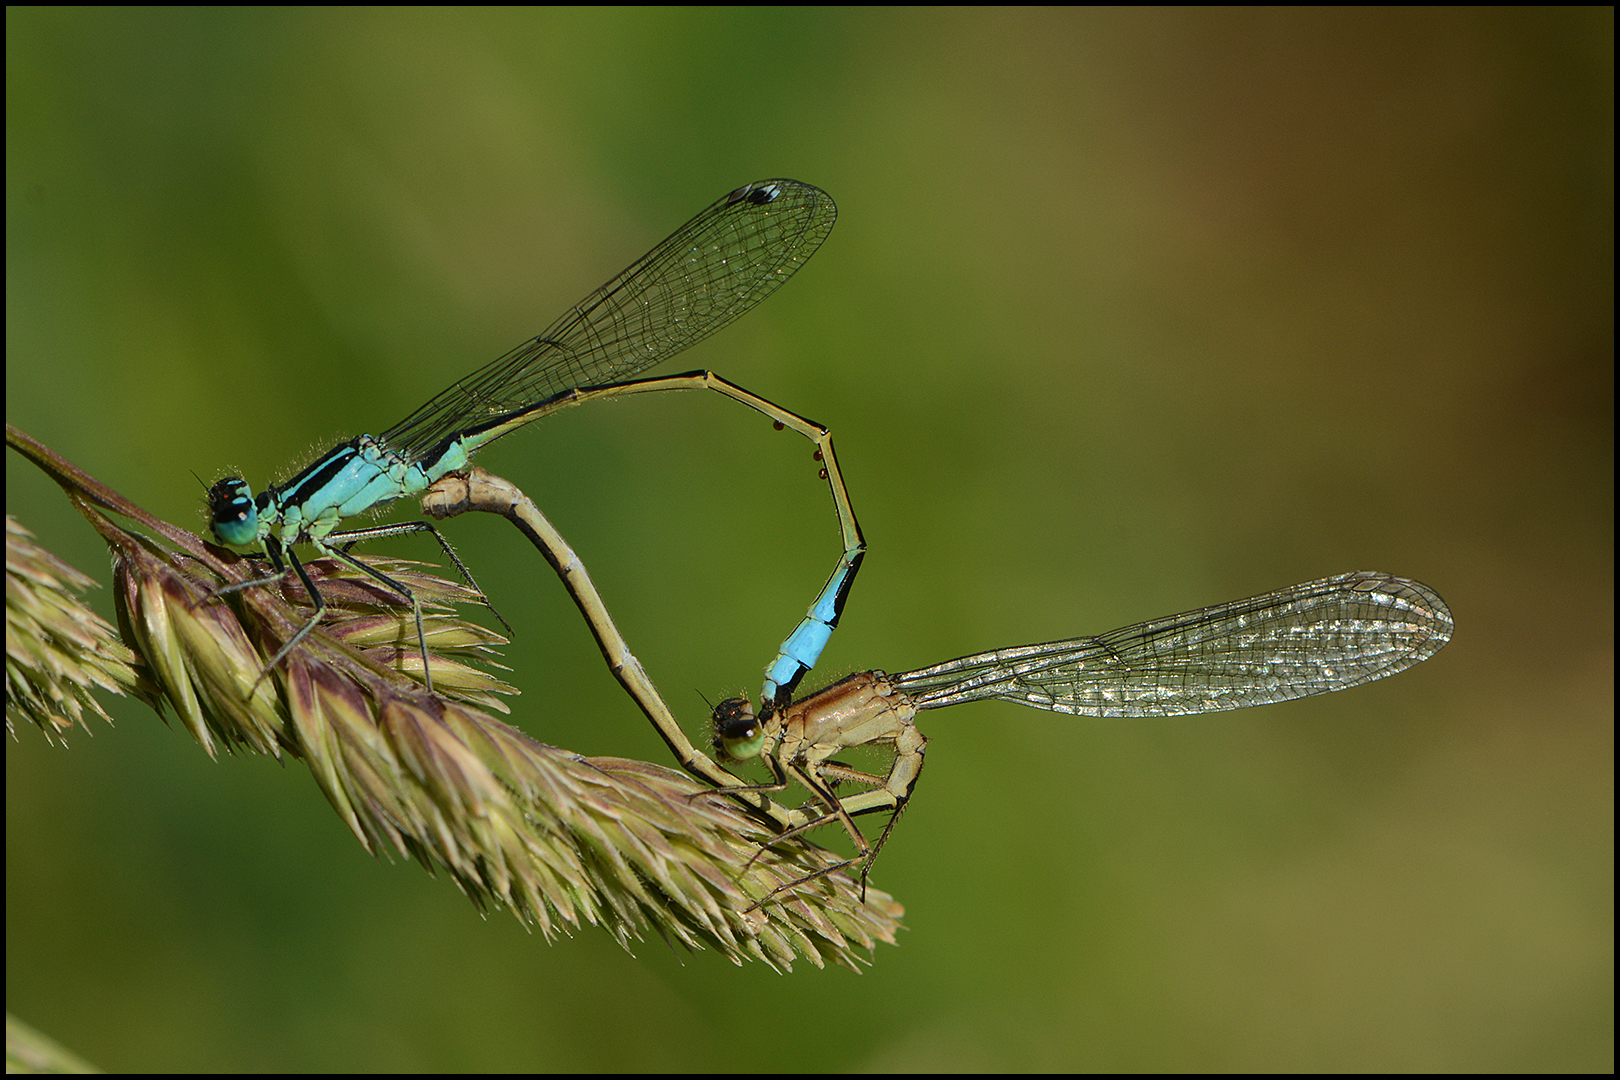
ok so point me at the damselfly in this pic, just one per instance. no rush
(707, 273)
(1307, 639)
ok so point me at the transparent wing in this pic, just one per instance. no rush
(1307, 639)
(707, 273)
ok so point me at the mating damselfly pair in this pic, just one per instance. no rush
(1303, 640)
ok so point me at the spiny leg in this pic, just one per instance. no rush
(350, 537)
(866, 852)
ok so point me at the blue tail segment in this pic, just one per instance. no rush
(803, 647)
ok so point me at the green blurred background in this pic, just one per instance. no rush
(1126, 313)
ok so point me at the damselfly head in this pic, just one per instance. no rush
(738, 734)
(232, 514)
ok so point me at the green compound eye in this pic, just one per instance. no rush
(738, 734)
